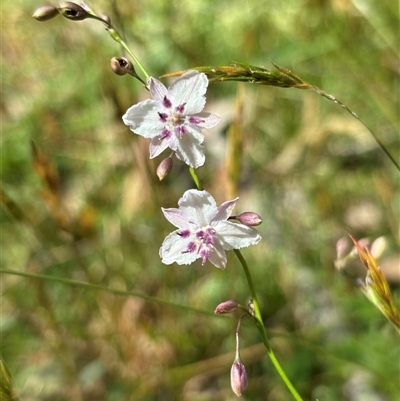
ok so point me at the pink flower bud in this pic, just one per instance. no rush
(238, 377)
(164, 168)
(249, 219)
(226, 307)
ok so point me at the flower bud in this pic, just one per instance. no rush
(249, 219)
(73, 11)
(238, 377)
(45, 13)
(122, 66)
(164, 168)
(226, 307)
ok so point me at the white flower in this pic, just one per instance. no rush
(203, 231)
(173, 118)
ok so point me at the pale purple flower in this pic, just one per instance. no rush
(204, 231)
(173, 118)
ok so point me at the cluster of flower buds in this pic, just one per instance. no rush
(69, 10)
(238, 370)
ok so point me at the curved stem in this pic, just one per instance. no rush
(377, 140)
(261, 329)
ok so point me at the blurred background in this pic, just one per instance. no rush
(81, 201)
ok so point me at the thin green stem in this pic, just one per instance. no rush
(261, 328)
(91, 286)
(355, 115)
(195, 178)
(117, 37)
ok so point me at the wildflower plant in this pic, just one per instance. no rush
(173, 120)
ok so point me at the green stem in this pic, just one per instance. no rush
(355, 115)
(91, 286)
(117, 37)
(195, 178)
(261, 328)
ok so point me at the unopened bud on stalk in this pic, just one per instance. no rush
(45, 13)
(249, 219)
(73, 11)
(164, 168)
(122, 66)
(238, 377)
(226, 307)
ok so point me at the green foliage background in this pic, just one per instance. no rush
(309, 169)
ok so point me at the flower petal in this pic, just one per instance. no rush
(143, 118)
(174, 249)
(224, 211)
(157, 146)
(198, 207)
(236, 236)
(189, 89)
(208, 120)
(177, 217)
(157, 90)
(218, 256)
(195, 133)
(190, 151)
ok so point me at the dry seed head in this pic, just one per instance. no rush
(118, 66)
(376, 287)
(45, 13)
(72, 11)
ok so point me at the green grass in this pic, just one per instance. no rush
(311, 170)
